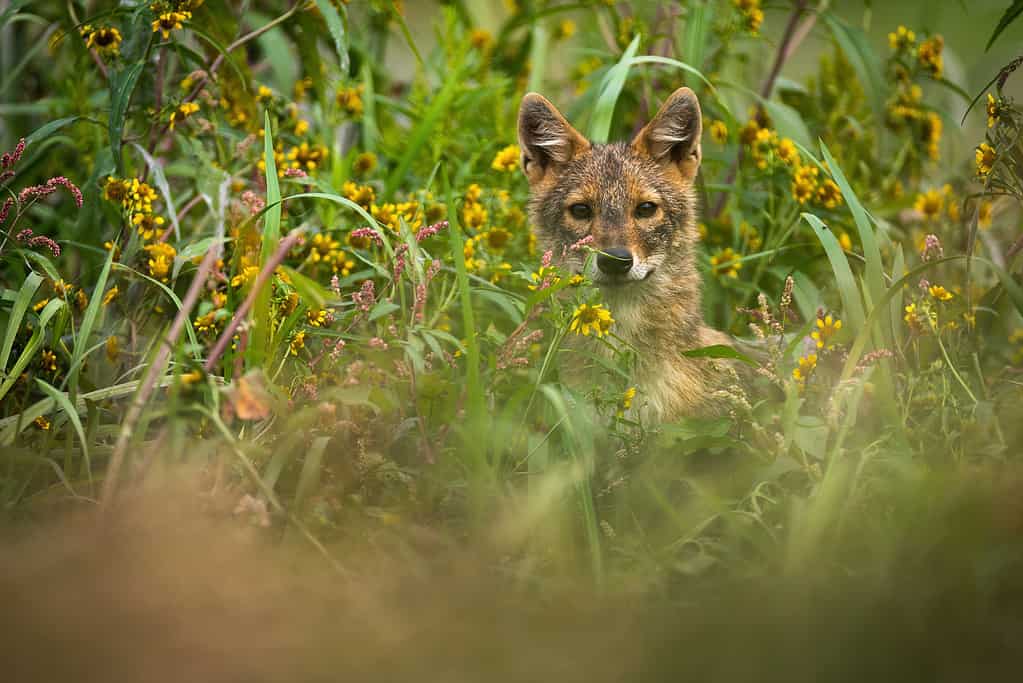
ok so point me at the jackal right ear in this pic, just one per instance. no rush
(546, 138)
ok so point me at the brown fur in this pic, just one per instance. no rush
(657, 305)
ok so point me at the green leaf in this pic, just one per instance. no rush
(1010, 15)
(13, 9)
(311, 292)
(259, 340)
(34, 342)
(699, 20)
(309, 478)
(719, 351)
(856, 46)
(382, 308)
(46, 130)
(61, 399)
(610, 90)
(871, 251)
(122, 86)
(21, 304)
(852, 302)
(88, 321)
(336, 27)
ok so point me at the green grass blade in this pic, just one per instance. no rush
(538, 51)
(34, 342)
(699, 21)
(61, 399)
(309, 478)
(336, 27)
(259, 339)
(122, 86)
(88, 322)
(170, 295)
(610, 90)
(21, 304)
(852, 302)
(856, 46)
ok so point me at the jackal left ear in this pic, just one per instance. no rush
(673, 136)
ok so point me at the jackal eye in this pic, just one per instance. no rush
(646, 210)
(581, 211)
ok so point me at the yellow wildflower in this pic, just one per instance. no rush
(116, 190)
(48, 361)
(496, 239)
(481, 39)
(297, 343)
(474, 215)
(719, 131)
(507, 159)
(752, 15)
(929, 54)
(169, 21)
(42, 423)
(588, 318)
(930, 204)
(804, 183)
(807, 364)
(363, 195)
(985, 158)
(349, 100)
(113, 348)
(565, 29)
(828, 194)
(316, 317)
(787, 152)
(932, 134)
(901, 38)
(185, 110)
(827, 329)
(992, 111)
(845, 241)
(147, 224)
(105, 39)
(161, 258)
(264, 94)
(247, 275)
(364, 163)
(939, 293)
(726, 263)
(110, 295)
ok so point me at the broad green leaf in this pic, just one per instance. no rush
(88, 321)
(122, 85)
(1010, 15)
(35, 341)
(852, 302)
(21, 304)
(336, 27)
(61, 399)
(610, 90)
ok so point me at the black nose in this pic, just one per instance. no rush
(614, 261)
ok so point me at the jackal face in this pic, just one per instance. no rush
(636, 201)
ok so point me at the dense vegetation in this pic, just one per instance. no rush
(234, 237)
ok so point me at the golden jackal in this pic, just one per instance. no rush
(638, 204)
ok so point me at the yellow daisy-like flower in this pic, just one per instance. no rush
(827, 328)
(845, 241)
(474, 216)
(565, 29)
(930, 203)
(264, 94)
(207, 323)
(719, 131)
(110, 295)
(116, 190)
(105, 39)
(537, 277)
(182, 112)
(993, 111)
(807, 364)
(247, 275)
(496, 239)
(42, 423)
(147, 224)
(48, 361)
(140, 197)
(929, 55)
(901, 38)
(828, 194)
(804, 183)
(113, 348)
(473, 193)
(363, 195)
(985, 158)
(170, 21)
(507, 159)
(932, 134)
(349, 100)
(297, 343)
(940, 293)
(364, 163)
(726, 263)
(627, 397)
(161, 258)
(596, 319)
(316, 317)
(301, 127)
(320, 247)
(752, 15)
(787, 152)
(481, 39)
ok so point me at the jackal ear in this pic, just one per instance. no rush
(546, 138)
(673, 136)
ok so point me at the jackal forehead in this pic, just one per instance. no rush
(613, 179)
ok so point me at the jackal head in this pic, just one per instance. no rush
(635, 200)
